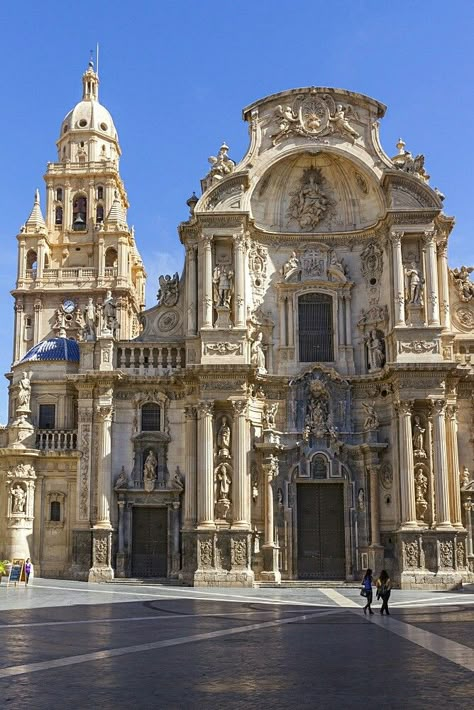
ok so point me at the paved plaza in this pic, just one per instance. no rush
(122, 645)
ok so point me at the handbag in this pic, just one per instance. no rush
(363, 592)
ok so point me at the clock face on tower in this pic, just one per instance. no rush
(69, 306)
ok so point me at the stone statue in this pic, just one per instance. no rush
(109, 320)
(371, 420)
(168, 292)
(24, 394)
(414, 284)
(122, 479)
(254, 490)
(463, 284)
(223, 439)
(149, 470)
(291, 265)
(375, 349)
(221, 164)
(269, 415)
(19, 499)
(178, 479)
(285, 117)
(90, 320)
(418, 438)
(222, 280)
(361, 499)
(465, 477)
(223, 482)
(336, 270)
(257, 356)
(341, 124)
(308, 204)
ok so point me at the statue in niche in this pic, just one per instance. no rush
(168, 292)
(269, 415)
(421, 487)
(308, 204)
(223, 482)
(465, 477)
(414, 284)
(254, 490)
(149, 471)
(24, 394)
(463, 284)
(361, 499)
(317, 412)
(336, 270)
(371, 419)
(291, 265)
(222, 280)
(375, 351)
(257, 356)
(19, 499)
(90, 320)
(418, 438)
(109, 320)
(223, 439)
(341, 124)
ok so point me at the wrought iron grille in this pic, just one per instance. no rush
(315, 327)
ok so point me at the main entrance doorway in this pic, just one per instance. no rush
(321, 546)
(150, 542)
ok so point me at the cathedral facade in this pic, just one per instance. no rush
(298, 405)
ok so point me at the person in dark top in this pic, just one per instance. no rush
(367, 586)
(384, 587)
(27, 570)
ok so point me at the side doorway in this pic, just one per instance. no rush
(149, 542)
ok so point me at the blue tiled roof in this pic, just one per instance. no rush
(53, 349)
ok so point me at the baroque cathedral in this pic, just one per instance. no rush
(299, 403)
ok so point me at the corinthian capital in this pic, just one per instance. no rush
(396, 238)
(205, 408)
(438, 407)
(404, 407)
(105, 412)
(240, 407)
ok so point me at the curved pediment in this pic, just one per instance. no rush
(315, 193)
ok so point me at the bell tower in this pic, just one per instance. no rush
(82, 247)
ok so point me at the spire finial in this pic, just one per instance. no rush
(401, 145)
(37, 196)
(91, 60)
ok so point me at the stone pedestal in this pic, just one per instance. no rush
(21, 434)
(101, 570)
(223, 317)
(433, 559)
(270, 572)
(223, 559)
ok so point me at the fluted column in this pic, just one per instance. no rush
(67, 215)
(291, 321)
(407, 479)
(453, 464)
(122, 266)
(374, 504)
(283, 341)
(347, 302)
(432, 297)
(207, 282)
(398, 278)
(21, 259)
(239, 247)
(443, 280)
(205, 474)
(104, 468)
(50, 216)
(270, 470)
(440, 464)
(40, 259)
(100, 260)
(190, 482)
(341, 320)
(191, 294)
(240, 483)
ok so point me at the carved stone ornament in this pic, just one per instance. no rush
(464, 317)
(224, 439)
(418, 439)
(206, 552)
(462, 282)
(413, 165)
(309, 204)
(411, 554)
(446, 553)
(222, 348)
(239, 552)
(386, 476)
(460, 554)
(168, 321)
(168, 292)
(221, 165)
(269, 415)
(374, 316)
(418, 347)
(313, 116)
(101, 550)
(22, 471)
(258, 259)
(421, 488)
(372, 267)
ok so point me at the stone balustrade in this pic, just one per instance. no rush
(150, 359)
(56, 439)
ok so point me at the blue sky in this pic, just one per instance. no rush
(176, 75)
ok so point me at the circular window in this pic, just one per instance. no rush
(104, 126)
(373, 281)
(83, 122)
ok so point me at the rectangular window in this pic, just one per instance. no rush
(55, 511)
(47, 416)
(315, 328)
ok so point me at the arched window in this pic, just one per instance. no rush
(59, 194)
(111, 257)
(31, 260)
(79, 213)
(58, 215)
(319, 467)
(99, 214)
(100, 193)
(151, 417)
(316, 338)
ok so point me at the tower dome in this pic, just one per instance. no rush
(88, 131)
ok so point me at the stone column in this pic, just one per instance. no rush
(432, 305)
(205, 474)
(21, 259)
(50, 216)
(374, 504)
(468, 507)
(37, 330)
(453, 465)
(84, 439)
(67, 213)
(291, 324)
(443, 277)
(270, 550)
(41, 251)
(398, 278)
(207, 282)
(104, 465)
(100, 261)
(190, 479)
(443, 519)
(347, 301)
(122, 266)
(407, 479)
(175, 552)
(239, 247)
(191, 293)
(240, 483)
(283, 341)
(341, 320)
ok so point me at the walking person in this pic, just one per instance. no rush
(367, 589)
(27, 570)
(384, 587)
